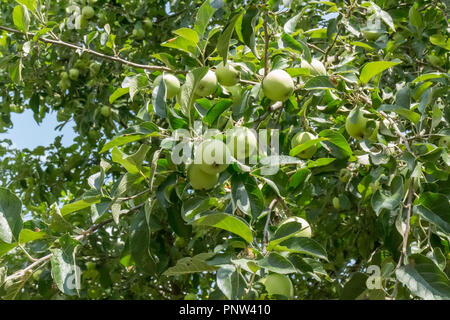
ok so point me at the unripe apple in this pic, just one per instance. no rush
(64, 84)
(371, 34)
(74, 74)
(148, 24)
(278, 85)
(278, 284)
(303, 137)
(345, 175)
(88, 12)
(316, 67)
(199, 179)
(356, 124)
(94, 68)
(242, 142)
(180, 242)
(213, 156)
(81, 22)
(227, 75)
(139, 33)
(105, 111)
(336, 203)
(444, 142)
(207, 85)
(64, 75)
(171, 82)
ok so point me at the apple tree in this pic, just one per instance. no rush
(227, 149)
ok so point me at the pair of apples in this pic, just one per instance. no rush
(212, 157)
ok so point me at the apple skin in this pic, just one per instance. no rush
(336, 203)
(316, 68)
(444, 142)
(64, 84)
(199, 179)
(355, 125)
(345, 175)
(213, 156)
(302, 137)
(227, 75)
(64, 75)
(278, 284)
(139, 33)
(207, 85)
(94, 68)
(105, 111)
(242, 142)
(74, 74)
(88, 12)
(278, 85)
(171, 82)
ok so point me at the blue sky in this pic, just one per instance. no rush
(26, 133)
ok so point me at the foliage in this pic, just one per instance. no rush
(113, 216)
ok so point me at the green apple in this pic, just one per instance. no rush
(199, 179)
(64, 84)
(171, 82)
(213, 156)
(278, 85)
(336, 203)
(242, 142)
(148, 24)
(64, 75)
(227, 75)
(180, 242)
(81, 22)
(278, 284)
(444, 142)
(74, 74)
(371, 34)
(88, 12)
(316, 67)
(105, 111)
(303, 137)
(356, 124)
(207, 85)
(94, 68)
(139, 33)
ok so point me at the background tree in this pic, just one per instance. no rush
(358, 210)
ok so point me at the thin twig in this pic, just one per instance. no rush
(266, 227)
(270, 110)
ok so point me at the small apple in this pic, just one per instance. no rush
(64, 84)
(94, 68)
(371, 34)
(64, 75)
(105, 111)
(278, 85)
(278, 284)
(74, 74)
(139, 33)
(207, 85)
(356, 124)
(148, 24)
(213, 156)
(242, 142)
(316, 67)
(227, 75)
(444, 142)
(180, 242)
(303, 137)
(171, 82)
(88, 12)
(336, 203)
(199, 179)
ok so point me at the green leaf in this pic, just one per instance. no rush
(11, 222)
(389, 200)
(248, 29)
(354, 287)
(406, 113)
(302, 245)
(216, 110)
(118, 93)
(140, 247)
(429, 76)
(246, 195)
(440, 41)
(187, 90)
(424, 278)
(188, 34)
(132, 163)
(132, 134)
(435, 208)
(191, 265)
(276, 263)
(223, 42)
(88, 198)
(230, 282)
(30, 4)
(182, 44)
(301, 147)
(6, 247)
(291, 42)
(338, 140)
(371, 69)
(226, 222)
(64, 270)
(21, 18)
(27, 235)
(319, 82)
(285, 231)
(159, 100)
(204, 14)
